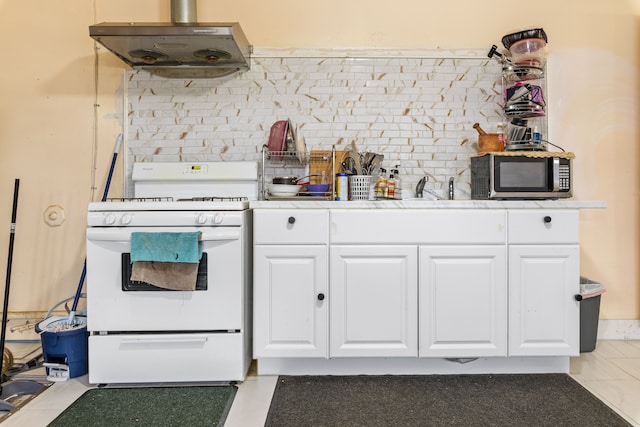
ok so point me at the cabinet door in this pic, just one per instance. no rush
(374, 301)
(289, 300)
(463, 301)
(544, 317)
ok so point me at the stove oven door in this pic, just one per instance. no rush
(115, 304)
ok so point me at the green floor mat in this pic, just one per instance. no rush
(149, 406)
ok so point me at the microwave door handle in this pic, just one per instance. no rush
(556, 174)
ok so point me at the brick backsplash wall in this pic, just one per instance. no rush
(417, 112)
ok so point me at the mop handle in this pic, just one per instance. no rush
(9, 261)
(76, 299)
(113, 165)
(14, 212)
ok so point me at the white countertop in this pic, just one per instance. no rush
(306, 203)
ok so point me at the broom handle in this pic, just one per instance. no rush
(9, 261)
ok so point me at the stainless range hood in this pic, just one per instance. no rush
(183, 48)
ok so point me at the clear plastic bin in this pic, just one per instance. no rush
(590, 293)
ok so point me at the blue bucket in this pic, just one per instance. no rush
(65, 345)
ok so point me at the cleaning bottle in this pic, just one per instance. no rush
(398, 182)
(381, 185)
(500, 131)
(537, 137)
(391, 186)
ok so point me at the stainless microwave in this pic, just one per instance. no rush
(526, 175)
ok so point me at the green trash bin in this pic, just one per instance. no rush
(590, 293)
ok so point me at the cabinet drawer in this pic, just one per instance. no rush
(543, 226)
(428, 226)
(285, 226)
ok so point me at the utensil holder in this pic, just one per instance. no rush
(359, 186)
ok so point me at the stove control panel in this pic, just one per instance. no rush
(199, 169)
(164, 219)
(209, 217)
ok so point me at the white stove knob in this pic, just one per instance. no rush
(126, 219)
(201, 219)
(217, 218)
(110, 219)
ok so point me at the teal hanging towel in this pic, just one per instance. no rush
(183, 247)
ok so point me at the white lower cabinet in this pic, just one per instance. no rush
(290, 283)
(544, 317)
(463, 301)
(290, 304)
(374, 310)
(544, 277)
(425, 284)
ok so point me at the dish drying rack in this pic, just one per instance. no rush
(294, 163)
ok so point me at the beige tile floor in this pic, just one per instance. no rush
(611, 372)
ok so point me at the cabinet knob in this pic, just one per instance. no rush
(578, 297)
(291, 220)
(547, 219)
(320, 297)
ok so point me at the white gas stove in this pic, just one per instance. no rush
(142, 333)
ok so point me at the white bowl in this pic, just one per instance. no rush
(283, 190)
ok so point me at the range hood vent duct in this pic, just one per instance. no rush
(183, 48)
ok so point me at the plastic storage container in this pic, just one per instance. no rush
(528, 51)
(589, 298)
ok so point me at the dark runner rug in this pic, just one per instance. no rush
(437, 400)
(149, 406)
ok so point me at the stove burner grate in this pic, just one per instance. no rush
(140, 199)
(171, 199)
(216, 199)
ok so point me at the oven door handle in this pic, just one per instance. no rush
(124, 234)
